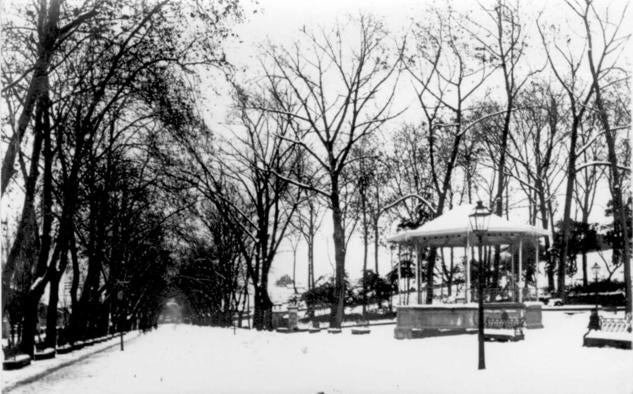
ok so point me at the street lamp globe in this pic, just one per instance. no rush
(480, 218)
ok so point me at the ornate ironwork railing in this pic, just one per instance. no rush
(616, 324)
(503, 294)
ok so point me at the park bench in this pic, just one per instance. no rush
(315, 327)
(362, 328)
(615, 332)
(504, 329)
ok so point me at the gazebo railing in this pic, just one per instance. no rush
(503, 294)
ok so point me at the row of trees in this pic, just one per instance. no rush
(86, 89)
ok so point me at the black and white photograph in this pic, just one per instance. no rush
(335, 196)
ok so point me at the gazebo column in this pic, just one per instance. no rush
(514, 277)
(391, 249)
(520, 269)
(536, 246)
(399, 261)
(418, 272)
(467, 274)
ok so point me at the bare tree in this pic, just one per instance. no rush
(566, 67)
(505, 49)
(445, 76)
(588, 181)
(336, 95)
(605, 43)
(307, 221)
(535, 151)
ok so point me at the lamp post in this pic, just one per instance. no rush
(595, 269)
(479, 224)
(121, 318)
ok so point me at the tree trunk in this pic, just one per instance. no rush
(294, 270)
(26, 246)
(31, 241)
(51, 312)
(336, 314)
(29, 323)
(365, 251)
(32, 301)
(430, 267)
(311, 262)
(542, 207)
(376, 242)
(571, 178)
(262, 314)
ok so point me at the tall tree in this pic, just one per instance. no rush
(602, 55)
(247, 183)
(505, 48)
(536, 153)
(566, 67)
(336, 95)
(446, 76)
(307, 221)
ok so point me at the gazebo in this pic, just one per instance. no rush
(453, 229)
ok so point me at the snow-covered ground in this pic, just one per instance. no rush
(188, 359)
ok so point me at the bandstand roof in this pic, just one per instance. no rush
(453, 229)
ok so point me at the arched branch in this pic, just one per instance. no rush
(403, 198)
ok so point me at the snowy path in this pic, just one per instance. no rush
(187, 359)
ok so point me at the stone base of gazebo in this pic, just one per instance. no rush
(413, 320)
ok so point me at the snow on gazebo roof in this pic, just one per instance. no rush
(453, 229)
